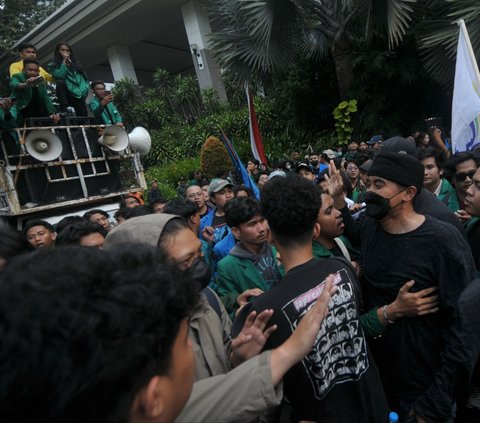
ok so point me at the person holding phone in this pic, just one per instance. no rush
(72, 82)
(102, 106)
(29, 94)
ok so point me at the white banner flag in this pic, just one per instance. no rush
(466, 96)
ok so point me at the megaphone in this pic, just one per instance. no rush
(43, 145)
(140, 140)
(115, 138)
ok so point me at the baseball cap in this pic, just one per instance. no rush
(304, 166)
(218, 185)
(375, 139)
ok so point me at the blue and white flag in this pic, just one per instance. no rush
(466, 96)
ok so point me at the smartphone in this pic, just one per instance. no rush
(108, 93)
(37, 81)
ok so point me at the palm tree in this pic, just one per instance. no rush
(252, 37)
(438, 36)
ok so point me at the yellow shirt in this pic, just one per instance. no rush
(17, 67)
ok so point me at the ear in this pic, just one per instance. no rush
(236, 232)
(410, 193)
(150, 400)
(54, 236)
(440, 172)
(316, 230)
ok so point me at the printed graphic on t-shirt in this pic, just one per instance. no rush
(339, 353)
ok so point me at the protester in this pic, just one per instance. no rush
(85, 233)
(102, 106)
(40, 234)
(100, 217)
(391, 225)
(71, 78)
(324, 388)
(250, 267)
(27, 51)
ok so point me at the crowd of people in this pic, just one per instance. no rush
(31, 99)
(344, 290)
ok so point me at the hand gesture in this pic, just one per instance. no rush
(335, 181)
(207, 234)
(463, 216)
(242, 299)
(409, 304)
(252, 338)
(302, 339)
(107, 99)
(55, 118)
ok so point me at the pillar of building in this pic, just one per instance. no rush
(198, 28)
(121, 63)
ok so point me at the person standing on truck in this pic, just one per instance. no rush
(102, 106)
(40, 234)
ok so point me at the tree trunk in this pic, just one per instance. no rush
(342, 56)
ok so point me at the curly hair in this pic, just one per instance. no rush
(291, 207)
(81, 337)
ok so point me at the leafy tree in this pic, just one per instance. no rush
(17, 19)
(253, 37)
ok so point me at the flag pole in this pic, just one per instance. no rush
(463, 28)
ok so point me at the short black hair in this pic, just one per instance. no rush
(241, 210)
(95, 83)
(157, 200)
(72, 234)
(181, 207)
(66, 221)
(90, 213)
(80, 338)
(254, 161)
(452, 163)
(121, 212)
(29, 60)
(238, 188)
(171, 228)
(37, 222)
(136, 212)
(438, 156)
(291, 206)
(24, 46)
(12, 243)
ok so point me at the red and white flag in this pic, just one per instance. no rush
(255, 137)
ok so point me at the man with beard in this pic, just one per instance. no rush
(250, 267)
(400, 245)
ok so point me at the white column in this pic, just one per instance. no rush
(198, 28)
(121, 63)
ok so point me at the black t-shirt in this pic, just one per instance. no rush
(435, 254)
(218, 221)
(338, 380)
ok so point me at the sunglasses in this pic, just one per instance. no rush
(460, 177)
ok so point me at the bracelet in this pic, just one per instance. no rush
(385, 315)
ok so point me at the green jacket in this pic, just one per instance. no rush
(76, 82)
(109, 114)
(319, 251)
(23, 97)
(448, 196)
(235, 275)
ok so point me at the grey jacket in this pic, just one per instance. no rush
(236, 397)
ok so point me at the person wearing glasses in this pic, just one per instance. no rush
(460, 168)
(195, 193)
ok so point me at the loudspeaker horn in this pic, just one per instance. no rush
(140, 140)
(43, 145)
(115, 138)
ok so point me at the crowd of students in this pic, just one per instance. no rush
(346, 291)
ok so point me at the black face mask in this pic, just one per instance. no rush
(200, 272)
(378, 206)
(313, 162)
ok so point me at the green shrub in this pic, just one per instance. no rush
(214, 158)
